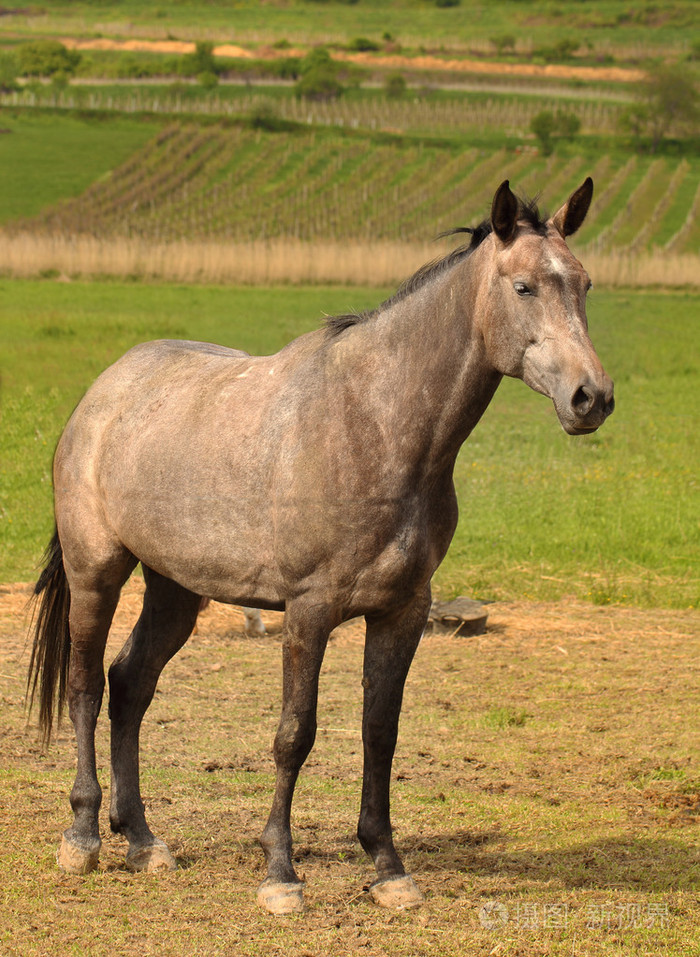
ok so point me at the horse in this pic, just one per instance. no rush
(317, 481)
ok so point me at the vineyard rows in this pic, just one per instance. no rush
(412, 114)
(203, 183)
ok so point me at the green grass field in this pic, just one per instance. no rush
(44, 159)
(608, 24)
(608, 518)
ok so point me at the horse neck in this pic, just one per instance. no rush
(433, 375)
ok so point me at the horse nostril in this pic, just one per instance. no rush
(582, 401)
(610, 405)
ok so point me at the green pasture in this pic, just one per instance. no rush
(44, 159)
(612, 517)
(607, 25)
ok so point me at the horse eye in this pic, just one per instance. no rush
(522, 289)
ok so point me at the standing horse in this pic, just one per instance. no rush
(317, 481)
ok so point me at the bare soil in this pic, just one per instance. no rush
(387, 60)
(550, 763)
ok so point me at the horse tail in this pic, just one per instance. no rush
(48, 668)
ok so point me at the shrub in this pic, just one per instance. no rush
(505, 41)
(265, 117)
(201, 61)
(546, 126)
(542, 125)
(319, 76)
(669, 97)
(568, 125)
(59, 81)
(563, 50)
(286, 68)
(208, 79)
(395, 85)
(8, 73)
(45, 57)
(363, 45)
(131, 67)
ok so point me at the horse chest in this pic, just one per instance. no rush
(361, 553)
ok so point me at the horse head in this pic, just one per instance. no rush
(534, 310)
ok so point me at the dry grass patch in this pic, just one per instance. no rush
(579, 817)
(251, 263)
(259, 262)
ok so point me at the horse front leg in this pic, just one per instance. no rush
(389, 650)
(306, 635)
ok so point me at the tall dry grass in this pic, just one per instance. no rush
(643, 269)
(256, 262)
(288, 261)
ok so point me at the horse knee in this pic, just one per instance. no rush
(294, 739)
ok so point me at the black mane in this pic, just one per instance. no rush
(528, 212)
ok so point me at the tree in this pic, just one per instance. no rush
(547, 125)
(319, 76)
(8, 73)
(668, 99)
(503, 42)
(395, 86)
(199, 62)
(45, 58)
(543, 125)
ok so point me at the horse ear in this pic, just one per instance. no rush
(574, 210)
(504, 212)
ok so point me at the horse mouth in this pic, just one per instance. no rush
(583, 421)
(581, 430)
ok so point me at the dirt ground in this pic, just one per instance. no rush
(550, 763)
(393, 60)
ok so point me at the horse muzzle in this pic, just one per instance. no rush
(587, 407)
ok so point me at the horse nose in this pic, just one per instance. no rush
(583, 401)
(589, 399)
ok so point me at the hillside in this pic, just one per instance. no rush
(610, 27)
(212, 182)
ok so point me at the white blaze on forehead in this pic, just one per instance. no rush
(558, 265)
(564, 267)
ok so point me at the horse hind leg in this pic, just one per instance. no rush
(92, 607)
(167, 620)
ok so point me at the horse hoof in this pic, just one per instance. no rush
(396, 893)
(281, 898)
(150, 858)
(73, 859)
